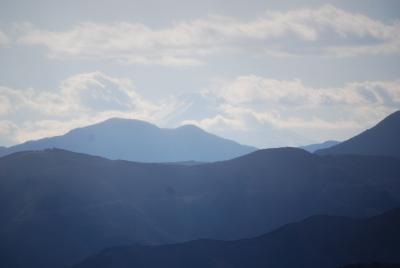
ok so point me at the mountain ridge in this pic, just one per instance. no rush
(57, 208)
(381, 139)
(318, 146)
(140, 141)
(318, 241)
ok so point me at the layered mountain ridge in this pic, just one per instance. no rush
(136, 140)
(318, 241)
(63, 206)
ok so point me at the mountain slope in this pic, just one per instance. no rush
(382, 139)
(319, 241)
(62, 206)
(140, 141)
(319, 146)
(373, 264)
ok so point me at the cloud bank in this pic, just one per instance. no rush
(281, 113)
(252, 109)
(327, 31)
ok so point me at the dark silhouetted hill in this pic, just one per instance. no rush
(318, 146)
(57, 207)
(319, 241)
(372, 265)
(140, 141)
(382, 139)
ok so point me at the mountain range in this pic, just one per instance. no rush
(136, 140)
(318, 241)
(58, 207)
(62, 206)
(140, 141)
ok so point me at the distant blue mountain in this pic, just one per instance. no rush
(382, 139)
(140, 141)
(318, 146)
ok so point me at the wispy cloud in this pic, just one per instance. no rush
(326, 31)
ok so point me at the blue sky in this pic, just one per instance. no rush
(265, 73)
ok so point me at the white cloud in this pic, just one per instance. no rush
(80, 100)
(269, 112)
(251, 109)
(8, 131)
(97, 92)
(252, 89)
(4, 39)
(326, 30)
(5, 105)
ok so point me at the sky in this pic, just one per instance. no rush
(263, 73)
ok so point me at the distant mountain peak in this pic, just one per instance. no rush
(114, 124)
(140, 141)
(126, 122)
(190, 127)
